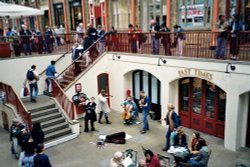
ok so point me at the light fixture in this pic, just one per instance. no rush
(161, 60)
(248, 5)
(227, 73)
(115, 56)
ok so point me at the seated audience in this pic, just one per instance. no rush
(116, 161)
(180, 139)
(196, 143)
(151, 159)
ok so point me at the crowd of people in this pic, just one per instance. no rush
(28, 146)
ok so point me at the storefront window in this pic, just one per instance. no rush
(197, 95)
(232, 7)
(75, 13)
(58, 12)
(185, 94)
(222, 105)
(210, 99)
(195, 13)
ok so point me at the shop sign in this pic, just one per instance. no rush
(187, 72)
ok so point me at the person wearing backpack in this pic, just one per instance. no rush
(32, 78)
(173, 122)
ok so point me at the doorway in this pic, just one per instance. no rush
(103, 83)
(147, 82)
(202, 106)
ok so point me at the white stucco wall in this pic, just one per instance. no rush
(168, 74)
(13, 71)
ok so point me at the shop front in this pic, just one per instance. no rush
(202, 106)
(58, 13)
(75, 13)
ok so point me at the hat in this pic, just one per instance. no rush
(15, 120)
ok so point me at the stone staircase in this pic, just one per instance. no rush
(52, 121)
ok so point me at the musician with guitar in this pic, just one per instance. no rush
(145, 104)
(103, 107)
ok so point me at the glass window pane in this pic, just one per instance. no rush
(210, 99)
(197, 95)
(222, 105)
(137, 85)
(154, 91)
(145, 82)
(185, 94)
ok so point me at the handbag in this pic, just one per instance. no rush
(26, 91)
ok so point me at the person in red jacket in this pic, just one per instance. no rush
(151, 159)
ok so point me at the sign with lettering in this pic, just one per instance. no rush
(187, 72)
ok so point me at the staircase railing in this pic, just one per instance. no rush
(63, 100)
(12, 98)
(92, 51)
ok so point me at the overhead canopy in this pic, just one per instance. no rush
(13, 10)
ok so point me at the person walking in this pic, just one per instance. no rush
(222, 27)
(50, 73)
(32, 78)
(172, 122)
(102, 43)
(103, 107)
(41, 159)
(145, 104)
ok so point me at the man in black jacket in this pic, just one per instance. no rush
(26, 37)
(154, 29)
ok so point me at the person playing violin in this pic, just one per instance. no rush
(145, 104)
(103, 107)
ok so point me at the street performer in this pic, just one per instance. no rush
(129, 113)
(103, 107)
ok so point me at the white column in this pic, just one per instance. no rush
(232, 131)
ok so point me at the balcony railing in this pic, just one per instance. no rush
(12, 98)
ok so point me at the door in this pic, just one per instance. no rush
(103, 83)
(210, 103)
(184, 99)
(196, 107)
(248, 125)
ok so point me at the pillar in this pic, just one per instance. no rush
(232, 137)
(65, 17)
(168, 23)
(227, 9)
(50, 13)
(37, 17)
(84, 15)
(133, 12)
(215, 19)
(238, 6)
(106, 15)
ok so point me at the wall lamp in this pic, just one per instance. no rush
(161, 60)
(227, 73)
(115, 56)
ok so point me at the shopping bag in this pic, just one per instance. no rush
(26, 91)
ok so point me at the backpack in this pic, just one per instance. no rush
(30, 75)
(178, 120)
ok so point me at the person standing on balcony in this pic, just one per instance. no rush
(92, 34)
(47, 37)
(145, 105)
(178, 39)
(101, 35)
(103, 107)
(26, 35)
(154, 29)
(222, 27)
(140, 38)
(50, 74)
(132, 38)
(235, 27)
(114, 39)
(166, 40)
(32, 78)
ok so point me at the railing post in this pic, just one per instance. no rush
(198, 44)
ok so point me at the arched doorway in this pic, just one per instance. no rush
(103, 83)
(202, 106)
(5, 121)
(147, 82)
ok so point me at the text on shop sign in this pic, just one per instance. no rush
(195, 72)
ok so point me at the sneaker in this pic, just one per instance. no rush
(108, 122)
(142, 132)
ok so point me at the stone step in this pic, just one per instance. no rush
(62, 139)
(52, 122)
(45, 107)
(57, 134)
(43, 112)
(47, 117)
(56, 127)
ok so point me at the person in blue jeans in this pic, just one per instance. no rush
(222, 27)
(32, 78)
(50, 73)
(172, 122)
(145, 104)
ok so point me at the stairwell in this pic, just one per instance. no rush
(53, 123)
